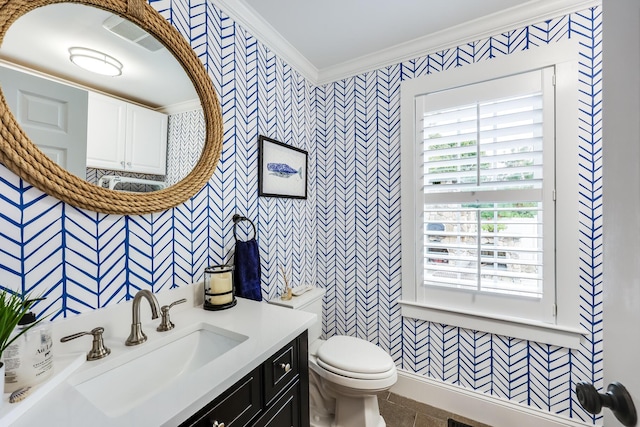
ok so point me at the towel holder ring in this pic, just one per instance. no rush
(238, 218)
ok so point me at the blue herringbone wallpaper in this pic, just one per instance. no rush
(358, 196)
(345, 237)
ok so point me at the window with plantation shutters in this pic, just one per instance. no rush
(484, 215)
(484, 167)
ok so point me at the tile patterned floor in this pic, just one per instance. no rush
(400, 411)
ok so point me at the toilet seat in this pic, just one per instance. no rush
(355, 358)
(352, 386)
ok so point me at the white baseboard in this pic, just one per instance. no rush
(476, 406)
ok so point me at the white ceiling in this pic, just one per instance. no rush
(40, 41)
(330, 32)
(327, 40)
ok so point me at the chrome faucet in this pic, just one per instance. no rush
(137, 336)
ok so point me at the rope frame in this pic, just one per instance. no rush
(21, 156)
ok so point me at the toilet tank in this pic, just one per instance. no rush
(310, 301)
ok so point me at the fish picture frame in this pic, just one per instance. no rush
(282, 169)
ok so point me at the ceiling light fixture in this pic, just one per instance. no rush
(95, 61)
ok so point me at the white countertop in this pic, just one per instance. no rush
(57, 402)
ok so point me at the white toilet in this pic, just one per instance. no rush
(345, 373)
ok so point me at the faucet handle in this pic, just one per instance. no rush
(98, 350)
(166, 324)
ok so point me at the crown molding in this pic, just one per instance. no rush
(532, 12)
(247, 17)
(181, 107)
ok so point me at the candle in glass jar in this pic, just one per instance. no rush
(221, 283)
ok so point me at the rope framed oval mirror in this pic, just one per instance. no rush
(20, 155)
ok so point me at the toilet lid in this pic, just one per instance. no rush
(354, 357)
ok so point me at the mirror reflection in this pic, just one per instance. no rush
(101, 97)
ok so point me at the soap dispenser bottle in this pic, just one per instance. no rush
(29, 359)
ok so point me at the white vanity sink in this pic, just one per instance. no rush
(116, 388)
(163, 381)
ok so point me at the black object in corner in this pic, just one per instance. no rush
(454, 423)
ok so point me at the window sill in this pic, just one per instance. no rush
(562, 336)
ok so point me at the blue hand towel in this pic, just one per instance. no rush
(246, 274)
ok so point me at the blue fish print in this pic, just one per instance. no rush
(283, 170)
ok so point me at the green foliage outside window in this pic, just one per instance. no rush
(486, 212)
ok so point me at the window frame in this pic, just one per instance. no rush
(566, 330)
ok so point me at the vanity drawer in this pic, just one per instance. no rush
(285, 412)
(236, 407)
(280, 370)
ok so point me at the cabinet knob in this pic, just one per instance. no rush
(217, 424)
(286, 367)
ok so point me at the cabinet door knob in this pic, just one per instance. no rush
(286, 367)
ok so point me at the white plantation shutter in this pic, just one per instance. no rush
(488, 170)
(489, 180)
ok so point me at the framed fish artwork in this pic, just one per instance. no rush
(282, 170)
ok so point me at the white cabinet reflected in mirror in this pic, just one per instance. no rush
(125, 137)
(145, 123)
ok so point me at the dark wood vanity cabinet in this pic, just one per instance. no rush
(285, 412)
(274, 394)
